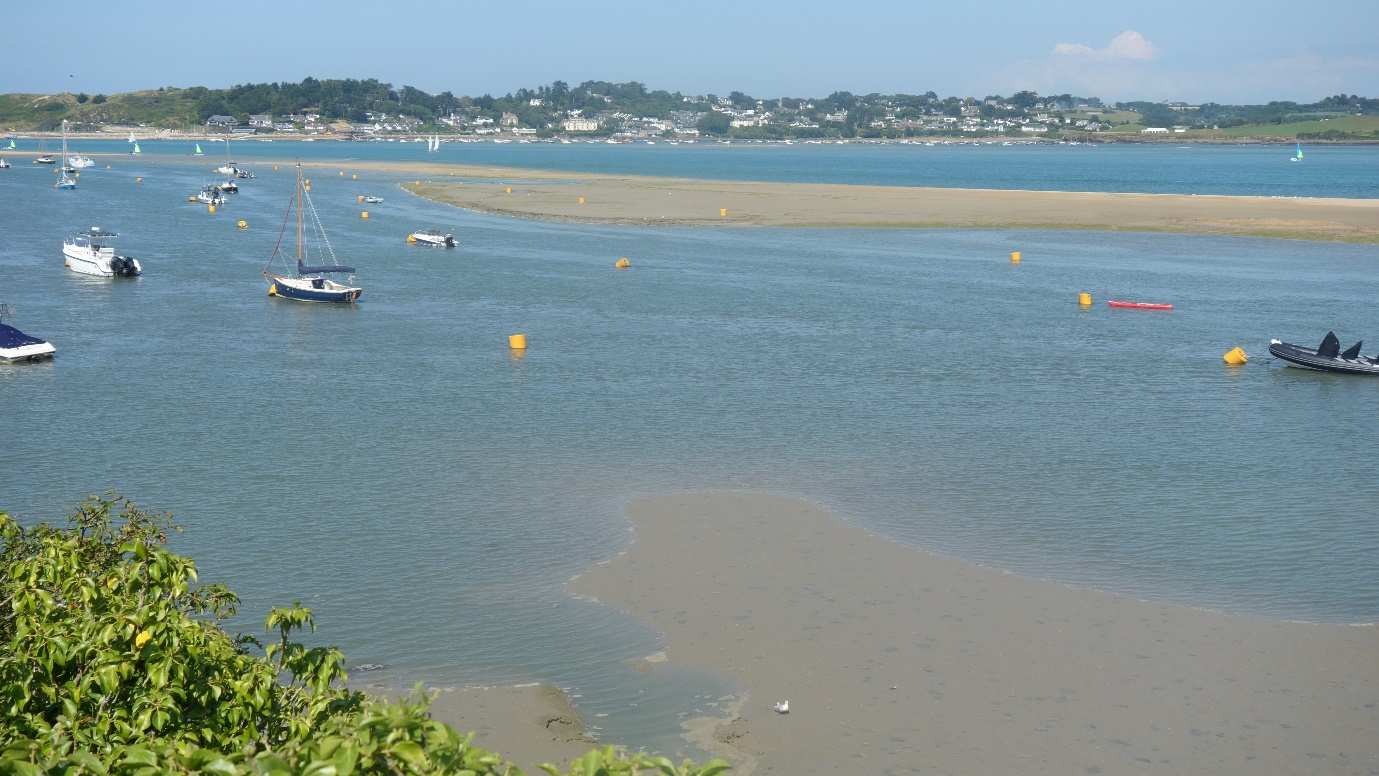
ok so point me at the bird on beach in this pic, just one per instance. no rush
(781, 707)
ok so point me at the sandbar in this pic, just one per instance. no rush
(526, 724)
(895, 660)
(608, 199)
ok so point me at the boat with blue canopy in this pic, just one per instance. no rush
(310, 282)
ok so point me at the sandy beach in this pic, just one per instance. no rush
(527, 724)
(610, 199)
(895, 660)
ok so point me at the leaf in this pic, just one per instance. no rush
(138, 755)
(410, 752)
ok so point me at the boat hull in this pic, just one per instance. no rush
(102, 264)
(303, 290)
(1307, 358)
(1122, 305)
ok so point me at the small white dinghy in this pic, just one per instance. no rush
(781, 707)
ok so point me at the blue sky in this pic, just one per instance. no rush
(1199, 50)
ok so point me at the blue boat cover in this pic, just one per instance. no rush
(303, 269)
(11, 337)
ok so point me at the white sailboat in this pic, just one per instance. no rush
(132, 139)
(65, 182)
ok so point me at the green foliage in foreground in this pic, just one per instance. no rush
(113, 660)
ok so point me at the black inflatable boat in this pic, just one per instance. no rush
(1327, 357)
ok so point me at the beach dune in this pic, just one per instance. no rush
(897, 661)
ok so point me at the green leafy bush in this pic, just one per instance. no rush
(113, 661)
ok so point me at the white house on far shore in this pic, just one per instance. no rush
(1154, 131)
(579, 124)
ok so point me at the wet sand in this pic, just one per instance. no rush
(899, 661)
(668, 201)
(526, 724)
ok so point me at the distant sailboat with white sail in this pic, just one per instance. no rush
(132, 139)
(433, 143)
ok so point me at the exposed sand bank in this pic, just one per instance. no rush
(899, 661)
(527, 724)
(645, 200)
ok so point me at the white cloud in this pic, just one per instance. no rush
(1129, 46)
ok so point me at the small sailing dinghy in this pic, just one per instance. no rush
(1327, 357)
(311, 282)
(1298, 156)
(17, 347)
(198, 151)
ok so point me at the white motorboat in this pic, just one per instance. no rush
(80, 162)
(228, 168)
(93, 253)
(210, 195)
(16, 346)
(4, 165)
(432, 237)
(229, 187)
(46, 159)
(372, 200)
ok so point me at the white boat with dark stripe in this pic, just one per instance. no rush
(93, 253)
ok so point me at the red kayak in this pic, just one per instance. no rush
(1139, 305)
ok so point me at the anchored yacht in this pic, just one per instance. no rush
(92, 253)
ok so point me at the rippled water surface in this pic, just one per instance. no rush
(394, 466)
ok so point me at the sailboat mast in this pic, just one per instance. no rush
(299, 213)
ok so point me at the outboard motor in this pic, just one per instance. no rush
(125, 266)
(449, 241)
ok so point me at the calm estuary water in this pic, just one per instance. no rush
(395, 467)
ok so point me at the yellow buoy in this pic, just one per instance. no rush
(272, 289)
(1014, 257)
(622, 263)
(210, 209)
(517, 341)
(723, 212)
(1235, 357)
(416, 183)
(581, 200)
(1084, 299)
(508, 190)
(363, 214)
(242, 224)
(411, 239)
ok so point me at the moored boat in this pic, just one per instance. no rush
(92, 253)
(372, 200)
(80, 162)
(4, 165)
(46, 159)
(229, 187)
(210, 195)
(1122, 304)
(16, 346)
(432, 237)
(1326, 357)
(310, 283)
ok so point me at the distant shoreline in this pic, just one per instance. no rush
(1086, 139)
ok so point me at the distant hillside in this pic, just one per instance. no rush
(630, 109)
(171, 108)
